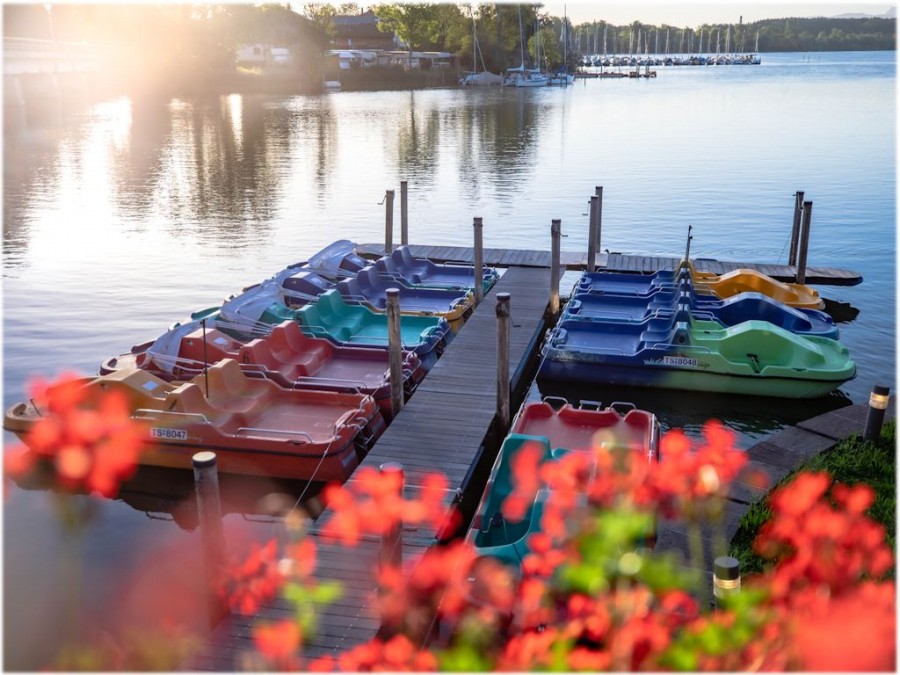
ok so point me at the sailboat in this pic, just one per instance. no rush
(563, 76)
(484, 77)
(521, 76)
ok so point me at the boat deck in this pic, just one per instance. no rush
(617, 262)
(441, 429)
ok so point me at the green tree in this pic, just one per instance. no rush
(431, 26)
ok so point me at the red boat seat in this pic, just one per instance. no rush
(289, 346)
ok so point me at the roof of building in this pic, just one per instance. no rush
(364, 19)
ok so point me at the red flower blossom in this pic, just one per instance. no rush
(246, 586)
(371, 503)
(89, 438)
(396, 655)
(278, 642)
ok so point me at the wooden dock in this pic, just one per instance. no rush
(442, 428)
(617, 262)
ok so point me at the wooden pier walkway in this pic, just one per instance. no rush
(442, 428)
(617, 262)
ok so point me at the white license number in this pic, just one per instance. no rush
(169, 434)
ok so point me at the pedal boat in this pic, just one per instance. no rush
(253, 314)
(753, 357)
(723, 286)
(728, 312)
(553, 433)
(286, 356)
(423, 272)
(737, 281)
(369, 289)
(254, 426)
(333, 318)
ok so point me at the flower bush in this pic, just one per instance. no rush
(589, 594)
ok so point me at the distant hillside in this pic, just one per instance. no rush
(890, 14)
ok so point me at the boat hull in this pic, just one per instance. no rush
(754, 357)
(570, 370)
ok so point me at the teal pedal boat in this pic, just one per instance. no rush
(331, 317)
(257, 310)
(550, 434)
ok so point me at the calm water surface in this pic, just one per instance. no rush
(124, 216)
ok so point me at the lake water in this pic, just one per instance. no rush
(121, 217)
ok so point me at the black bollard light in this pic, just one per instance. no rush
(726, 577)
(878, 403)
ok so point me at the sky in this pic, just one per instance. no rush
(691, 14)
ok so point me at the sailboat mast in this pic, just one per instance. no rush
(474, 42)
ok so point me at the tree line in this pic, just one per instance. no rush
(767, 35)
(191, 41)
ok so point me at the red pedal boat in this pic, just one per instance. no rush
(286, 356)
(255, 426)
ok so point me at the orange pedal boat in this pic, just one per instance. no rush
(255, 426)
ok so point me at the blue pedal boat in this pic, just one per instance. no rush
(423, 272)
(622, 283)
(369, 289)
(729, 312)
(678, 352)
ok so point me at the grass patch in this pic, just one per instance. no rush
(850, 462)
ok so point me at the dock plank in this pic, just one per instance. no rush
(617, 262)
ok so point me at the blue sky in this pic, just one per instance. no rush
(691, 14)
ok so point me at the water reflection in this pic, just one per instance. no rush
(417, 143)
(169, 494)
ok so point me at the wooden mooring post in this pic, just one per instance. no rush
(503, 360)
(388, 222)
(555, 234)
(803, 245)
(592, 235)
(795, 229)
(404, 215)
(478, 226)
(598, 190)
(395, 349)
(209, 514)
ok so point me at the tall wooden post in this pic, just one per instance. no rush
(803, 246)
(479, 259)
(592, 235)
(555, 234)
(395, 349)
(598, 190)
(209, 513)
(795, 229)
(503, 359)
(388, 222)
(404, 215)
